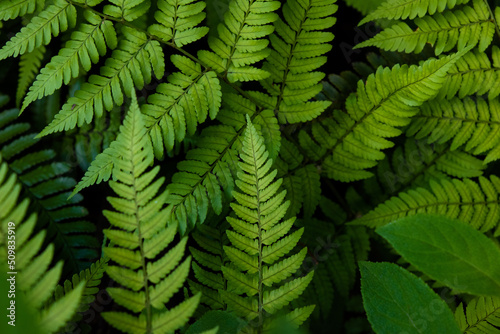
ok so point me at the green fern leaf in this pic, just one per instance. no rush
(91, 278)
(474, 73)
(473, 203)
(409, 9)
(416, 163)
(129, 10)
(481, 315)
(61, 311)
(298, 48)
(29, 65)
(465, 27)
(311, 187)
(260, 239)
(87, 43)
(139, 237)
(208, 259)
(34, 278)
(12, 9)
(201, 177)
(240, 40)
(474, 124)
(178, 20)
(130, 65)
(55, 19)
(178, 106)
(352, 142)
(47, 186)
(276, 299)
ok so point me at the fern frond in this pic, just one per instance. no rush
(416, 163)
(475, 203)
(481, 315)
(130, 65)
(87, 43)
(474, 73)
(334, 258)
(260, 240)
(91, 278)
(352, 142)
(29, 65)
(178, 21)
(474, 124)
(409, 9)
(50, 22)
(298, 48)
(301, 181)
(11, 9)
(207, 265)
(30, 269)
(128, 10)
(205, 178)
(139, 238)
(464, 27)
(240, 42)
(92, 139)
(180, 105)
(46, 184)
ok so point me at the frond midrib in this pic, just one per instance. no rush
(480, 320)
(427, 32)
(365, 221)
(289, 60)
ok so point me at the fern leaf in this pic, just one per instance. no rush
(12, 9)
(416, 163)
(260, 205)
(240, 40)
(55, 19)
(130, 65)
(178, 21)
(474, 203)
(481, 315)
(46, 184)
(201, 177)
(474, 73)
(87, 43)
(129, 10)
(409, 9)
(93, 139)
(276, 299)
(178, 106)
(298, 48)
(29, 65)
(469, 123)
(353, 142)
(61, 311)
(91, 278)
(311, 187)
(34, 278)
(140, 222)
(208, 259)
(465, 27)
